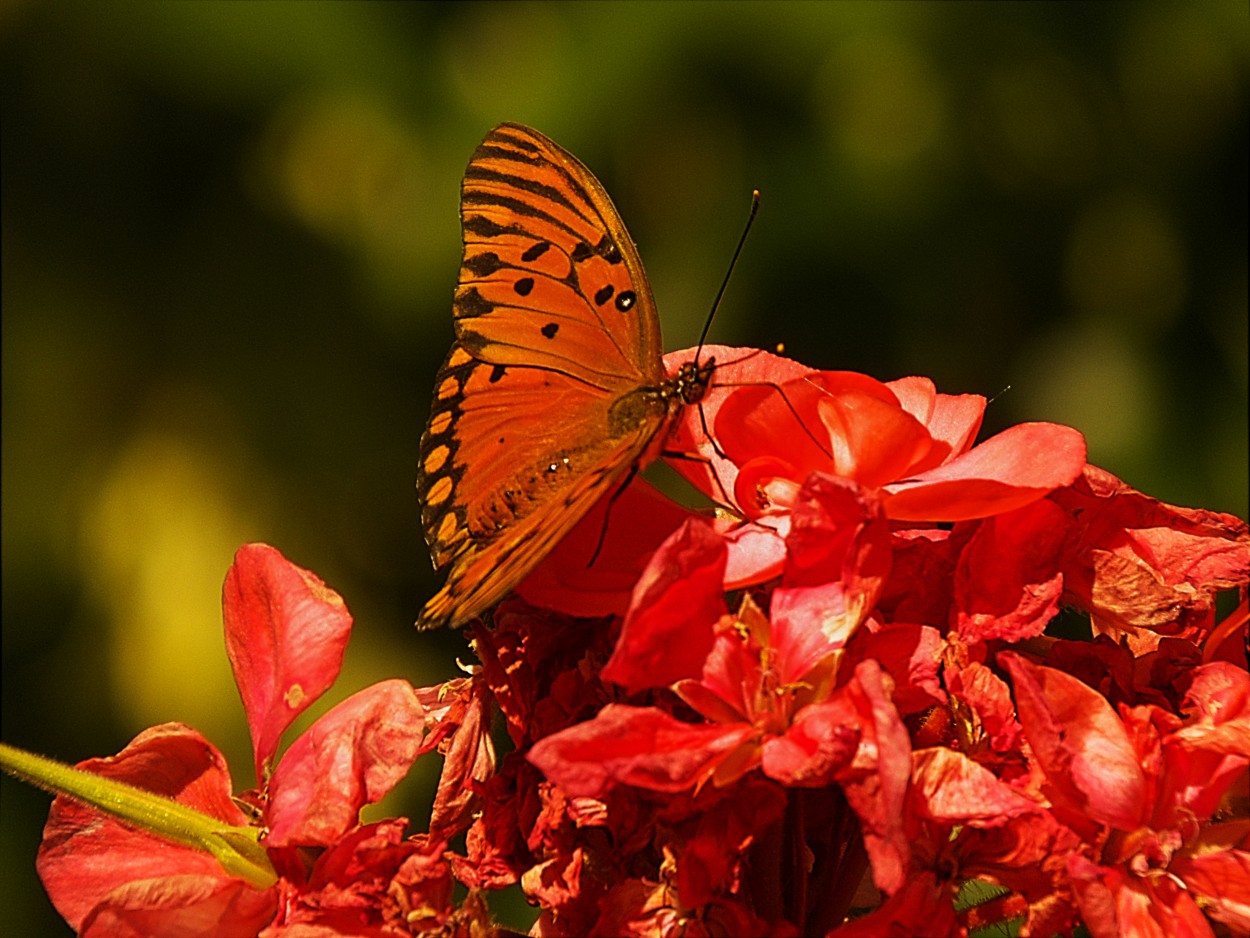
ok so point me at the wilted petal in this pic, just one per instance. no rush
(822, 740)
(1219, 700)
(469, 758)
(989, 699)
(363, 883)
(1141, 563)
(911, 655)
(286, 632)
(352, 756)
(1008, 584)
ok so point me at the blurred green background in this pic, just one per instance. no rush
(230, 239)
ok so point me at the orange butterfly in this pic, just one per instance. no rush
(554, 389)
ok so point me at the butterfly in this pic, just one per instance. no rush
(554, 392)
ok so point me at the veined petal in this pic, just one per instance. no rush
(350, 757)
(286, 632)
(640, 747)
(1009, 470)
(1081, 745)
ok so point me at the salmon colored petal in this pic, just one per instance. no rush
(876, 783)
(286, 632)
(822, 740)
(948, 786)
(640, 747)
(952, 420)
(838, 559)
(1007, 471)
(1007, 583)
(351, 757)
(916, 395)
(1081, 745)
(713, 474)
(1221, 879)
(205, 906)
(872, 441)
(86, 856)
(757, 552)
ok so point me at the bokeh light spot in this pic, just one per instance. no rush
(1124, 260)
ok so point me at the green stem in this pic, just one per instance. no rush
(237, 849)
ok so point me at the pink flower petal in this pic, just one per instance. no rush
(286, 632)
(352, 756)
(1081, 745)
(952, 419)
(87, 856)
(184, 904)
(948, 786)
(640, 747)
(1009, 470)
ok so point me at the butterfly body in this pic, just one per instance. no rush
(554, 389)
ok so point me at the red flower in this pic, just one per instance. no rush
(776, 422)
(765, 685)
(286, 632)
(1140, 788)
(1146, 568)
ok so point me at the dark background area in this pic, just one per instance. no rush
(230, 239)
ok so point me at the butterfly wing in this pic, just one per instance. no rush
(552, 389)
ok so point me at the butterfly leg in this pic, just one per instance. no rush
(699, 458)
(607, 514)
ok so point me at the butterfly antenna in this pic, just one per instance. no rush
(707, 323)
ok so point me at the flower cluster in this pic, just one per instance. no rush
(322, 872)
(900, 684)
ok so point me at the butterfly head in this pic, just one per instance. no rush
(692, 380)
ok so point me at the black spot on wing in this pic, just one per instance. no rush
(470, 303)
(482, 226)
(607, 249)
(534, 253)
(484, 264)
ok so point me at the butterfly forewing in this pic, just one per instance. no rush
(550, 277)
(555, 386)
